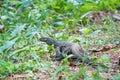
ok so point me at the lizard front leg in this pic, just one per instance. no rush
(58, 56)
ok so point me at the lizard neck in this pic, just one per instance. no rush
(51, 42)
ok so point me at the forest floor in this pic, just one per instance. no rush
(104, 50)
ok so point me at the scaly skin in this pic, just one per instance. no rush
(63, 48)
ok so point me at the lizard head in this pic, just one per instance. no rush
(48, 40)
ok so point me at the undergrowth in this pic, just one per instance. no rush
(23, 22)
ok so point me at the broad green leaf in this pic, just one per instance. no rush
(82, 72)
(74, 2)
(45, 66)
(105, 58)
(26, 3)
(4, 17)
(86, 14)
(96, 32)
(117, 76)
(56, 24)
(18, 29)
(19, 50)
(8, 45)
(102, 67)
(58, 69)
(34, 56)
(85, 31)
(96, 76)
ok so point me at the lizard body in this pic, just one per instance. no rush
(63, 48)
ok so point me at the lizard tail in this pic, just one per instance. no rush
(90, 62)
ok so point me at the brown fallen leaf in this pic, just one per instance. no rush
(104, 48)
(72, 64)
(97, 17)
(16, 77)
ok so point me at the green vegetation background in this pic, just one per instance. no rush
(22, 22)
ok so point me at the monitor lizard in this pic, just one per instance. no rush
(63, 48)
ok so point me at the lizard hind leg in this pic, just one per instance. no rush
(57, 57)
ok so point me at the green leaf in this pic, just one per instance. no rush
(56, 24)
(105, 58)
(45, 66)
(102, 67)
(59, 69)
(34, 56)
(85, 31)
(8, 45)
(19, 50)
(82, 72)
(18, 29)
(4, 17)
(96, 32)
(86, 14)
(26, 3)
(117, 76)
